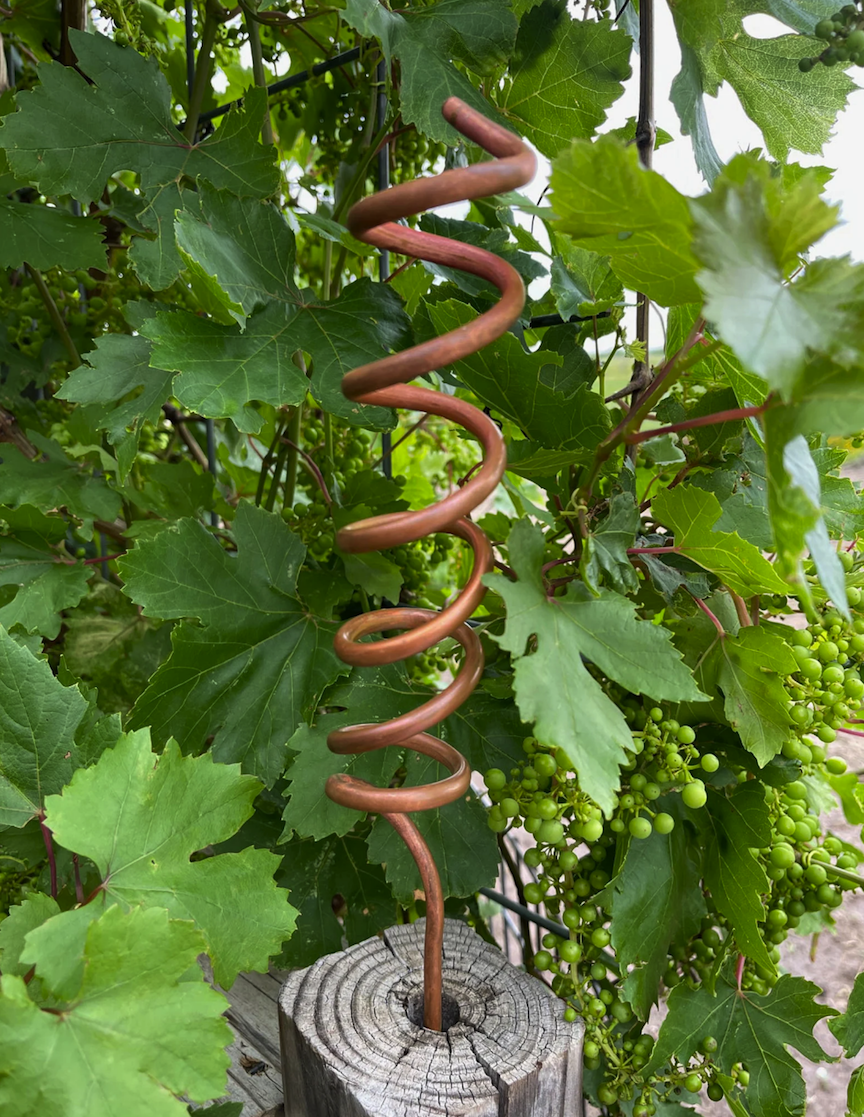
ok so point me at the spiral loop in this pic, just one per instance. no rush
(386, 383)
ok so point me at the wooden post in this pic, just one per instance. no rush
(351, 1046)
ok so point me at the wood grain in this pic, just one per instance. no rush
(349, 1048)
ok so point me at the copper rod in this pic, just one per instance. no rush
(386, 382)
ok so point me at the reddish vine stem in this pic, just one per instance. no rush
(710, 615)
(49, 849)
(653, 550)
(79, 887)
(701, 421)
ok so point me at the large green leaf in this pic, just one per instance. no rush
(53, 480)
(478, 33)
(339, 894)
(656, 900)
(691, 513)
(69, 134)
(687, 95)
(735, 827)
(45, 238)
(750, 671)
(257, 663)
(130, 1031)
(565, 76)
(370, 695)
(38, 721)
(458, 836)
(750, 1028)
(606, 201)
(750, 231)
(604, 554)
(140, 818)
(790, 109)
(582, 721)
(849, 1026)
(522, 386)
(44, 584)
(122, 389)
(243, 252)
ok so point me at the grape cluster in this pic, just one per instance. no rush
(806, 869)
(844, 34)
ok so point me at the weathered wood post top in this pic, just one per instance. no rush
(353, 1044)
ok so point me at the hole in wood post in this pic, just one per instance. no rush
(450, 1014)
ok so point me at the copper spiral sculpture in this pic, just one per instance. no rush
(385, 382)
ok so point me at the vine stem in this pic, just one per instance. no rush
(54, 314)
(202, 69)
(673, 369)
(258, 70)
(711, 616)
(741, 609)
(653, 550)
(49, 849)
(701, 421)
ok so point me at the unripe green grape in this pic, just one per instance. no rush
(709, 762)
(828, 651)
(795, 790)
(591, 1050)
(551, 832)
(509, 808)
(835, 765)
(815, 873)
(592, 830)
(532, 825)
(694, 795)
(542, 960)
(600, 937)
(570, 1014)
(495, 779)
(640, 827)
(692, 1083)
(568, 861)
(715, 1091)
(547, 808)
(533, 857)
(571, 919)
(782, 855)
(810, 669)
(569, 951)
(664, 823)
(651, 791)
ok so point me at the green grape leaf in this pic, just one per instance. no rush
(605, 550)
(691, 513)
(140, 818)
(339, 896)
(583, 282)
(583, 720)
(243, 249)
(487, 731)
(375, 574)
(855, 1093)
(521, 386)
(458, 836)
(565, 76)
(687, 95)
(53, 480)
(258, 662)
(47, 238)
(795, 506)
(749, 233)
(848, 1028)
(607, 202)
(791, 109)
(478, 33)
(122, 390)
(45, 585)
(39, 718)
(14, 929)
(750, 1028)
(656, 900)
(135, 1034)
(224, 368)
(69, 135)
(734, 828)
(750, 669)
(369, 695)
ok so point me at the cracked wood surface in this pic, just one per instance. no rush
(349, 1049)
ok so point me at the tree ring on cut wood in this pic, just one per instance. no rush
(351, 1046)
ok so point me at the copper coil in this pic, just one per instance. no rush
(385, 382)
